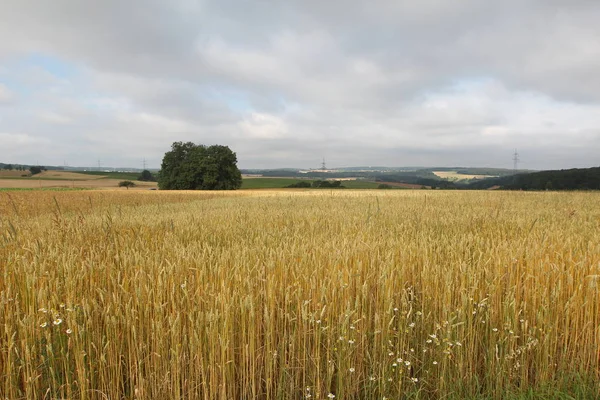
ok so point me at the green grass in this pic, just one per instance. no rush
(132, 176)
(273, 183)
(268, 183)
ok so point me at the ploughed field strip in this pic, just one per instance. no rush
(311, 294)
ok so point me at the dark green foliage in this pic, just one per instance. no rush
(328, 184)
(146, 176)
(301, 184)
(126, 184)
(384, 186)
(197, 167)
(492, 172)
(317, 184)
(35, 170)
(566, 179)
(417, 180)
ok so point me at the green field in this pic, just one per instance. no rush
(274, 183)
(113, 175)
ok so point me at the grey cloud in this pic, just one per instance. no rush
(6, 95)
(281, 82)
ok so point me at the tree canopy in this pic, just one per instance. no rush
(189, 166)
(126, 184)
(146, 176)
(35, 170)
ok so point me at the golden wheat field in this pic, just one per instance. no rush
(299, 294)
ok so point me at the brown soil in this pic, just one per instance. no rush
(93, 183)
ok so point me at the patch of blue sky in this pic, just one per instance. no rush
(51, 64)
(14, 73)
(236, 100)
(242, 102)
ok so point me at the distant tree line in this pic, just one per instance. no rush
(567, 179)
(317, 184)
(19, 167)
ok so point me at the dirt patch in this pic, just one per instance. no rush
(68, 176)
(455, 176)
(13, 174)
(93, 183)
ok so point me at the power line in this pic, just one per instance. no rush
(516, 160)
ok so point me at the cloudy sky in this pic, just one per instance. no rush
(287, 82)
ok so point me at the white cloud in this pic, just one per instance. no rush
(263, 126)
(380, 82)
(54, 118)
(18, 139)
(6, 96)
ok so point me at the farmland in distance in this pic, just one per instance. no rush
(299, 294)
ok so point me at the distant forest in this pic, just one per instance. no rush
(569, 179)
(565, 179)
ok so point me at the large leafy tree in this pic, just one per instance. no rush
(197, 167)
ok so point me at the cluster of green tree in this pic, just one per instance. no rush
(197, 167)
(328, 184)
(567, 179)
(146, 176)
(492, 172)
(126, 184)
(19, 167)
(36, 169)
(301, 184)
(422, 178)
(317, 184)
